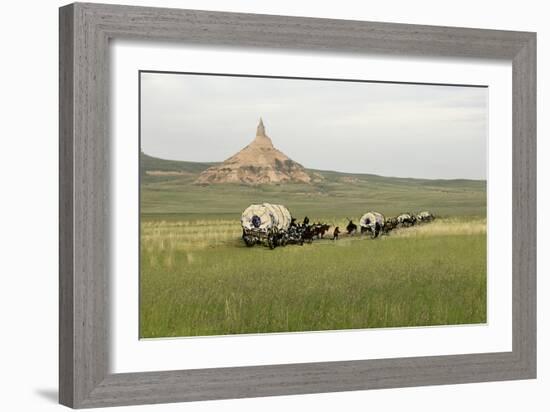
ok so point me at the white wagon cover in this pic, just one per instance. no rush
(371, 218)
(271, 216)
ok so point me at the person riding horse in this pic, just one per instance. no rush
(351, 227)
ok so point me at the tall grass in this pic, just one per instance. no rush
(157, 236)
(198, 278)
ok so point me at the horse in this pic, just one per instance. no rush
(319, 229)
(390, 224)
(351, 228)
(307, 234)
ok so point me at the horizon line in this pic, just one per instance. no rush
(329, 170)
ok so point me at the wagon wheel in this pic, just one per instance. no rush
(248, 241)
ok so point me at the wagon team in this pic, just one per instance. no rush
(273, 225)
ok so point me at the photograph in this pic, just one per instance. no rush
(280, 204)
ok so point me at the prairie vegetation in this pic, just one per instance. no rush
(198, 278)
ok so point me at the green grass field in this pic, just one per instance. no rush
(198, 278)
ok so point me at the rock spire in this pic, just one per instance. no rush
(258, 163)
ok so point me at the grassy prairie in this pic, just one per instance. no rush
(338, 195)
(198, 278)
(214, 285)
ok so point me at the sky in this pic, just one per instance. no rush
(389, 129)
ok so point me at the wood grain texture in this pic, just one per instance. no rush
(85, 31)
(524, 187)
(66, 229)
(83, 344)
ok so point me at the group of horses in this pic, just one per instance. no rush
(300, 233)
(372, 223)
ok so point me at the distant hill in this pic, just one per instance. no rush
(169, 188)
(155, 166)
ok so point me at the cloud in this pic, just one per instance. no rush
(389, 129)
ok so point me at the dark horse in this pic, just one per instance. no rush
(390, 224)
(319, 229)
(351, 227)
(307, 234)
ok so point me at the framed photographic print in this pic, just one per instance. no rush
(257, 205)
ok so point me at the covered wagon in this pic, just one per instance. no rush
(372, 222)
(406, 220)
(425, 216)
(266, 224)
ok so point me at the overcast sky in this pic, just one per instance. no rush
(387, 129)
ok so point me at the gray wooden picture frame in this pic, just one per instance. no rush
(85, 31)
